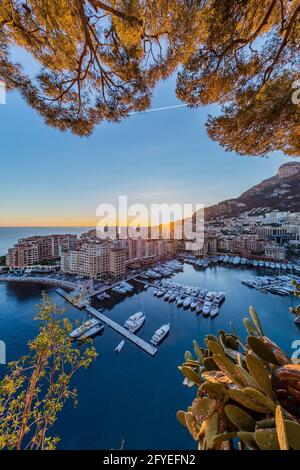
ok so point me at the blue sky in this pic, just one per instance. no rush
(54, 178)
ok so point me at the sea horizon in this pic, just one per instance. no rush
(10, 235)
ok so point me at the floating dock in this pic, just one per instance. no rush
(123, 331)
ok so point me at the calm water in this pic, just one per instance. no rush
(10, 235)
(132, 395)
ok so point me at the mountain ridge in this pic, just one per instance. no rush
(279, 192)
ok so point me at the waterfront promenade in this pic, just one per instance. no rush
(40, 280)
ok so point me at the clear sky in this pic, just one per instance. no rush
(53, 178)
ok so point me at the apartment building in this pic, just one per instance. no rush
(89, 259)
(275, 252)
(117, 262)
(34, 250)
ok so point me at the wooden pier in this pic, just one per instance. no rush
(123, 331)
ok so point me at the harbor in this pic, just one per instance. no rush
(127, 388)
(279, 285)
(238, 261)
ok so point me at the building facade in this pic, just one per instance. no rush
(34, 250)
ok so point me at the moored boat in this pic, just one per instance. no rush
(135, 322)
(160, 334)
(187, 302)
(92, 332)
(214, 311)
(206, 309)
(84, 327)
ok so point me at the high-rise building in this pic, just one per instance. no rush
(117, 262)
(90, 259)
(34, 250)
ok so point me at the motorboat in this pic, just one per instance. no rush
(167, 295)
(180, 301)
(206, 309)
(199, 306)
(135, 322)
(87, 325)
(119, 290)
(209, 296)
(160, 334)
(120, 346)
(194, 303)
(203, 293)
(187, 302)
(214, 311)
(92, 332)
(160, 293)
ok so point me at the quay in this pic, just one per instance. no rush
(80, 304)
(40, 280)
(122, 331)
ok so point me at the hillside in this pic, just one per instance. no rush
(280, 192)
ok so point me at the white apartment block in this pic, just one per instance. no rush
(275, 252)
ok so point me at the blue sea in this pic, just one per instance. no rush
(133, 396)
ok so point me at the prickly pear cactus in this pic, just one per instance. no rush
(296, 310)
(248, 394)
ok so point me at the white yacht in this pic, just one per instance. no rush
(135, 322)
(160, 334)
(187, 302)
(214, 311)
(206, 309)
(194, 303)
(180, 301)
(92, 332)
(167, 295)
(87, 325)
(160, 293)
(209, 296)
(119, 290)
(199, 306)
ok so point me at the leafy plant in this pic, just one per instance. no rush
(37, 386)
(296, 310)
(248, 394)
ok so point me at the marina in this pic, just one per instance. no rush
(135, 380)
(238, 261)
(279, 285)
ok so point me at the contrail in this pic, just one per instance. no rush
(159, 109)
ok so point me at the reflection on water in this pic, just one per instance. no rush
(132, 395)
